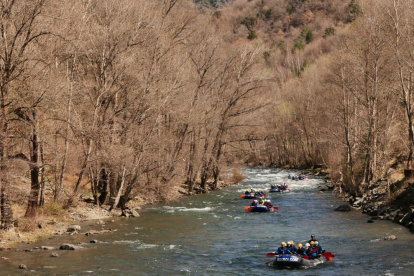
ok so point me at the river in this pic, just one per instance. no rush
(213, 235)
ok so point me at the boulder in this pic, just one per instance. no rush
(390, 238)
(54, 255)
(67, 246)
(357, 202)
(408, 217)
(343, 208)
(370, 221)
(93, 241)
(73, 228)
(47, 247)
(134, 214)
(22, 266)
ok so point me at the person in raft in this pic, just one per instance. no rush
(301, 251)
(291, 247)
(313, 239)
(254, 203)
(261, 201)
(313, 251)
(268, 203)
(282, 250)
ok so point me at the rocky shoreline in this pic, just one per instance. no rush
(378, 204)
(390, 198)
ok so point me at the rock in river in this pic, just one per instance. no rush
(390, 238)
(73, 228)
(67, 246)
(343, 208)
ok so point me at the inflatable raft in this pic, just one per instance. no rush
(252, 195)
(260, 208)
(278, 190)
(290, 261)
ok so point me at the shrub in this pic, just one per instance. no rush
(307, 35)
(217, 14)
(267, 13)
(238, 176)
(290, 9)
(282, 46)
(249, 22)
(328, 32)
(53, 209)
(252, 35)
(298, 45)
(354, 10)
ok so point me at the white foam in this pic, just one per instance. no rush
(205, 209)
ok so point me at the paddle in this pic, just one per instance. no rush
(275, 207)
(271, 254)
(328, 255)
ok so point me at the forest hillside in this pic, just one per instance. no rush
(108, 103)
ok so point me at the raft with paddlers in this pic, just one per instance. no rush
(279, 188)
(252, 195)
(291, 260)
(261, 208)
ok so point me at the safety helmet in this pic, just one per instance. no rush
(316, 242)
(307, 244)
(312, 242)
(255, 200)
(312, 236)
(283, 243)
(289, 243)
(300, 245)
(292, 242)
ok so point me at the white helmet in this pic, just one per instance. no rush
(307, 244)
(316, 242)
(289, 243)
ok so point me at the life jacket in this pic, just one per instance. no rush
(282, 251)
(301, 251)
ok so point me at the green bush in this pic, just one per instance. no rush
(328, 32)
(298, 45)
(267, 13)
(307, 35)
(252, 35)
(354, 10)
(217, 14)
(249, 22)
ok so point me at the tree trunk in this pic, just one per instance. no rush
(34, 169)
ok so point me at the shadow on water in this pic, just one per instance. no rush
(213, 235)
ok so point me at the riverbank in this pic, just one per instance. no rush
(390, 198)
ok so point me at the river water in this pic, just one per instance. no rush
(213, 235)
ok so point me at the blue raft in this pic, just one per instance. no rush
(292, 261)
